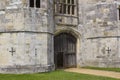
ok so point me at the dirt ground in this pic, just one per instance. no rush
(95, 72)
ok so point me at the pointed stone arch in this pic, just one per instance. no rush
(76, 35)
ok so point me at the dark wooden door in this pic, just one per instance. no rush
(60, 60)
(65, 50)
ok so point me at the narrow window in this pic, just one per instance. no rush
(67, 7)
(31, 3)
(73, 10)
(73, 2)
(119, 12)
(34, 3)
(64, 11)
(60, 8)
(37, 3)
(68, 2)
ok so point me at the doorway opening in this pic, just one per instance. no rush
(65, 50)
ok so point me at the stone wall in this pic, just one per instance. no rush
(99, 27)
(97, 30)
(29, 32)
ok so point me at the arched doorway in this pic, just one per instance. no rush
(65, 50)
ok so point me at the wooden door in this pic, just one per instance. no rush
(65, 50)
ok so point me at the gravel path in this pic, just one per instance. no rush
(95, 72)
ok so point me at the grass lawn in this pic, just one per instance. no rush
(105, 69)
(56, 75)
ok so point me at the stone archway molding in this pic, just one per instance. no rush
(77, 35)
(72, 31)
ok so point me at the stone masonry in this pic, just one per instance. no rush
(27, 34)
(26, 37)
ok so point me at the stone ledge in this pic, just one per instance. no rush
(26, 69)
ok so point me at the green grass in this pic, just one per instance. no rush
(105, 69)
(56, 75)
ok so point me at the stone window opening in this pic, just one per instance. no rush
(67, 7)
(34, 3)
(119, 12)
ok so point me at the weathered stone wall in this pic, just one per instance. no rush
(97, 30)
(30, 50)
(29, 31)
(99, 27)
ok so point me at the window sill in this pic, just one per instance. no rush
(66, 15)
(34, 8)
